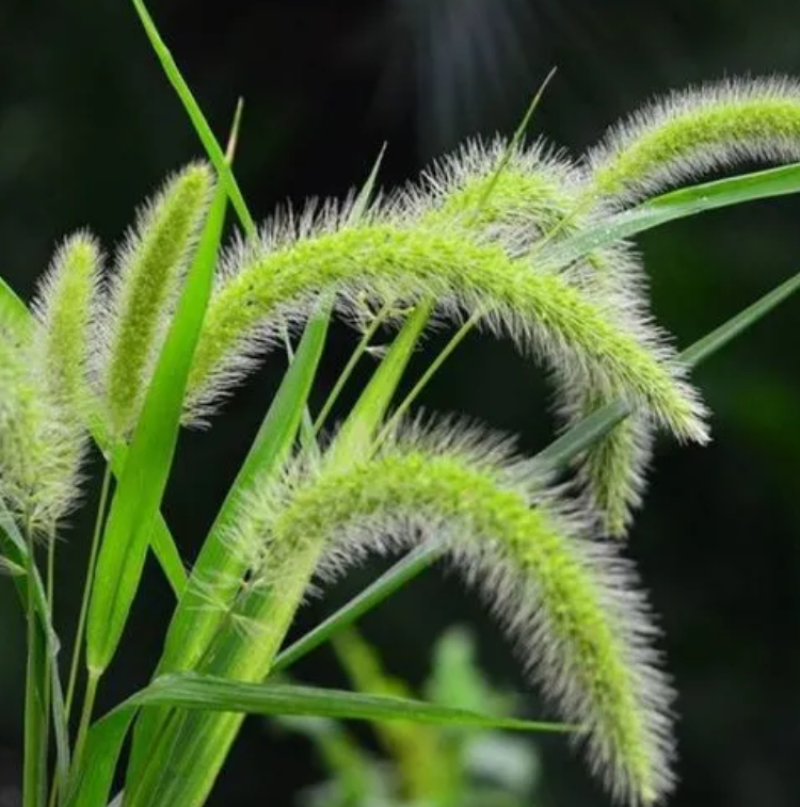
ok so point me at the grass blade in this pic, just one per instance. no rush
(161, 540)
(138, 497)
(208, 693)
(679, 204)
(211, 694)
(210, 143)
(13, 312)
(358, 431)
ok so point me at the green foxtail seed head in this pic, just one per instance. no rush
(266, 285)
(572, 606)
(611, 474)
(148, 272)
(519, 197)
(42, 442)
(688, 133)
(64, 308)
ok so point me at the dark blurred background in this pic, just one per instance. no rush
(89, 126)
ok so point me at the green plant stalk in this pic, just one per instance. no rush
(14, 548)
(197, 747)
(34, 775)
(50, 669)
(193, 628)
(344, 377)
(87, 588)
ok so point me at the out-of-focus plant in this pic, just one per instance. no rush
(510, 237)
(423, 766)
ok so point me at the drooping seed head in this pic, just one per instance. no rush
(572, 606)
(147, 280)
(266, 287)
(521, 198)
(691, 132)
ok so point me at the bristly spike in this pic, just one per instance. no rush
(42, 441)
(572, 606)
(691, 132)
(65, 307)
(279, 281)
(147, 279)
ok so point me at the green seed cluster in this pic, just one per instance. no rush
(692, 132)
(570, 605)
(145, 285)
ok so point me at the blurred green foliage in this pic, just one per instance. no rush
(422, 766)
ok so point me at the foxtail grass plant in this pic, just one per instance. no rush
(511, 237)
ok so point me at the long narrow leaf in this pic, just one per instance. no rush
(161, 540)
(138, 496)
(198, 119)
(679, 204)
(210, 694)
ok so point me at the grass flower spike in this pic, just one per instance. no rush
(144, 288)
(532, 196)
(65, 310)
(279, 281)
(691, 132)
(41, 442)
(570, 605)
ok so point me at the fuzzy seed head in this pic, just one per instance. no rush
(64, 307)
(147, 279)
(518, 197)
(277, 283)
(42, 443)
(691, 132)
(572, 606)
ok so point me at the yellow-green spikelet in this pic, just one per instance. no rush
(691, 132)
(539, 310)
(65, 307)
(571, 605)
(147, 279)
